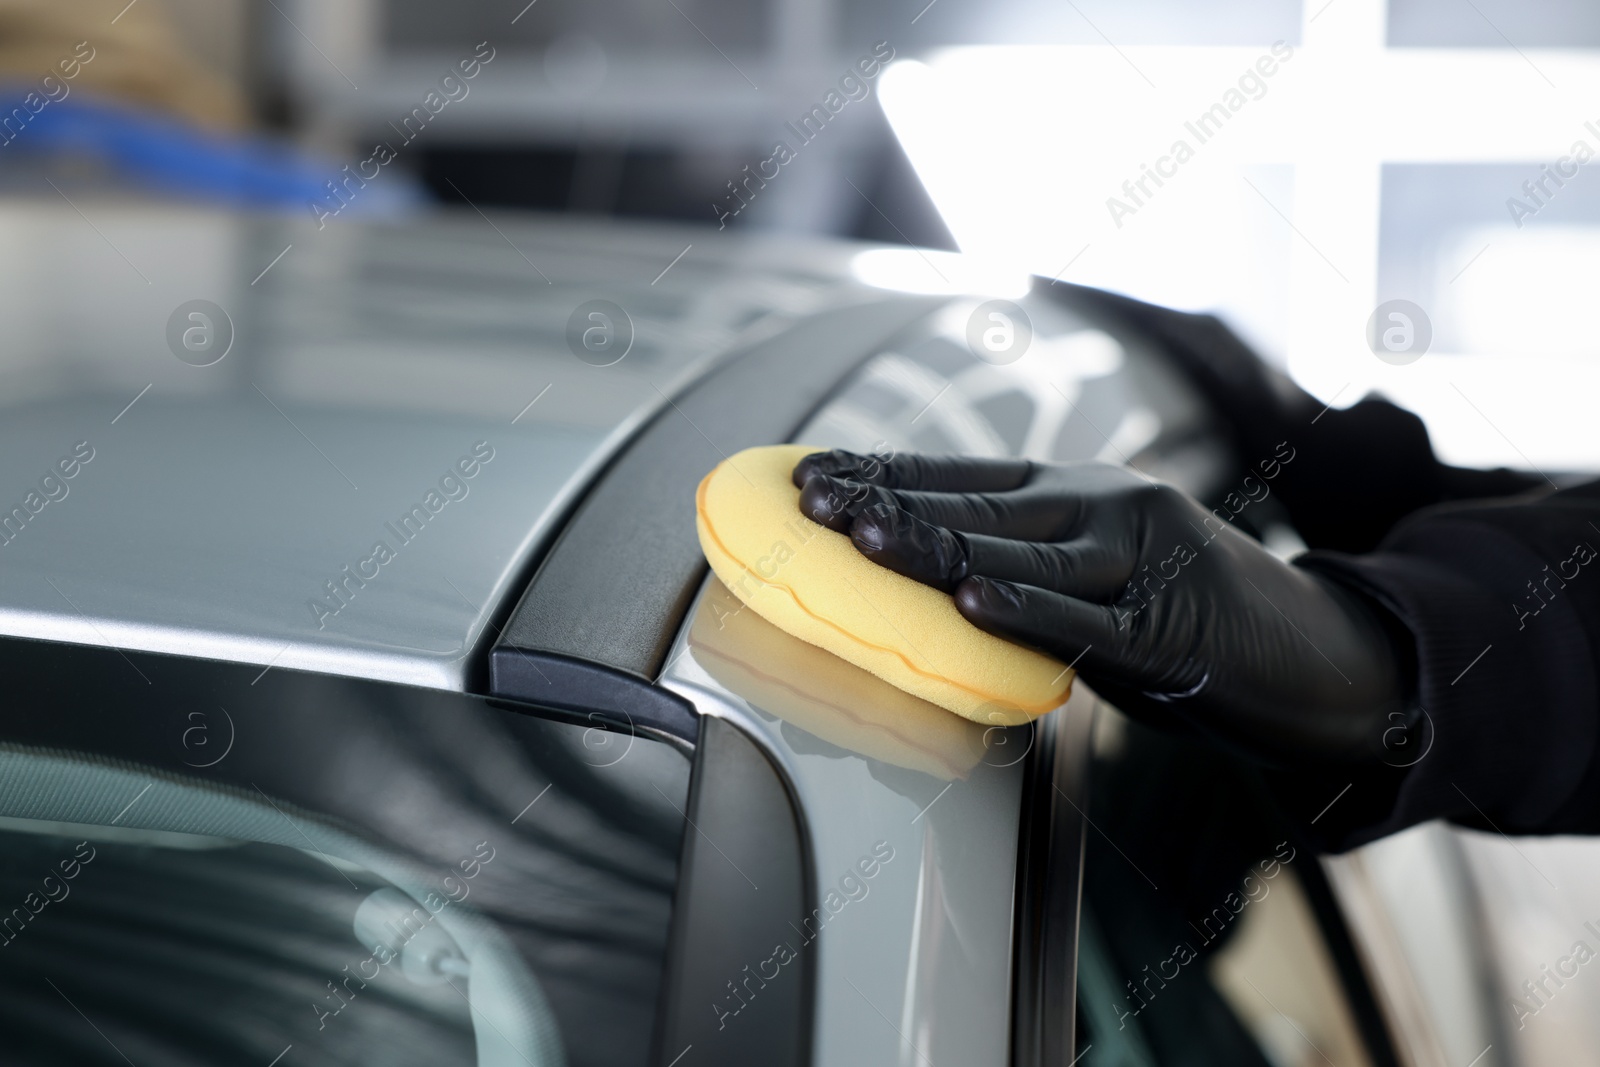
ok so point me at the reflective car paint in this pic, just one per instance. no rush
(395, 423)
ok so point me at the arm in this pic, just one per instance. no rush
(1357, 471)
(1502, 603)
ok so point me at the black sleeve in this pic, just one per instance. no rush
(1503, 602)
(1357, 471)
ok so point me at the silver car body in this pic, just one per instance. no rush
(223, 503)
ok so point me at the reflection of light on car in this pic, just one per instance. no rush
(973, 406)
(917, 270)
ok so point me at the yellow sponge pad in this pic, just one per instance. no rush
(812, 583)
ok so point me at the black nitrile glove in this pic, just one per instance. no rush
(1177, 618)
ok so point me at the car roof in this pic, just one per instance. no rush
(377, 371)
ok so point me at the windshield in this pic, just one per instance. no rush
(323, 871)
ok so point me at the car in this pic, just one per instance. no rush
(368, 699)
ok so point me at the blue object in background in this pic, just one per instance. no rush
(165, 154)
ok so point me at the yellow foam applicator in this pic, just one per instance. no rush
(812, 583)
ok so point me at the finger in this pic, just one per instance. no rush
(835, 502)
(943, 558)
(1093, 637)
(894, 538)
(911, 470)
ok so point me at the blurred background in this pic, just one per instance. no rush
(1356, 153)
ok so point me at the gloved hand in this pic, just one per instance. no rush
(1176, 617)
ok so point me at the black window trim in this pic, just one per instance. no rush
(616, 586)
(1050, 853)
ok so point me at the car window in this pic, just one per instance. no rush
(179, 945)
(1201, 940)
(315, 870)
